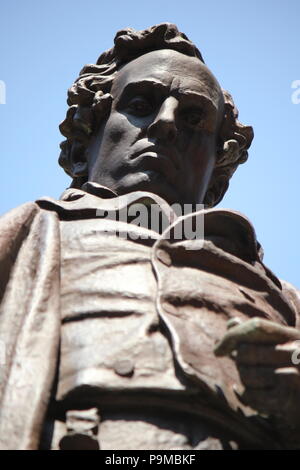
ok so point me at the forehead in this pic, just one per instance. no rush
(175, 71)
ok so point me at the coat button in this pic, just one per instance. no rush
(164, 257)
(124, 368)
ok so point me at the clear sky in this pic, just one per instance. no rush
(253, 49)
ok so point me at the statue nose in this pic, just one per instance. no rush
(164, 127)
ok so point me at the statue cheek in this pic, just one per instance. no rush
(116, 135)
(119, 130)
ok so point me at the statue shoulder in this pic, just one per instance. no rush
(20, 214)
(14, 226)
(16, 223)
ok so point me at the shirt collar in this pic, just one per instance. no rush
(93, 196)
(84, 203)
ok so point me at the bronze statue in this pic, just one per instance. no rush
(120, 336)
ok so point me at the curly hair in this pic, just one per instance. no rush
(90, 101)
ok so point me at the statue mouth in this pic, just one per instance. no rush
(156, 162)
(155, 158)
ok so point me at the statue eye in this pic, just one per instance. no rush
(139, 106)
(193, 117)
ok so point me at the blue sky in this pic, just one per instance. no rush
(251, 47)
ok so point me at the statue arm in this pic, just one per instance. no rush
(29, 321)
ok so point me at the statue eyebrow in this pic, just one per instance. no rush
(144, 85)
(196, 98)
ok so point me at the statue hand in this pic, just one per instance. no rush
(267, 356)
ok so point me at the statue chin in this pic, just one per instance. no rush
(151, 181)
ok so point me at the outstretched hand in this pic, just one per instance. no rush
(267, 356)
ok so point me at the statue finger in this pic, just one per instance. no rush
(256, 330)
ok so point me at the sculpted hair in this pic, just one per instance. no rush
(90, 101)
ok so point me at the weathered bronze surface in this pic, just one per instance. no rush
(120, 335)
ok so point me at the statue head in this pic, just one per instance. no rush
(149, 115)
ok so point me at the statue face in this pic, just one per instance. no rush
(162, 131)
